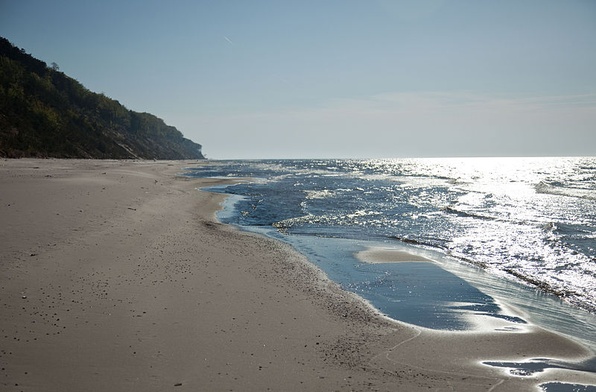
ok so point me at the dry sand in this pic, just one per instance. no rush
(115, 276)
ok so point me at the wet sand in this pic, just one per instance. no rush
(114, 275)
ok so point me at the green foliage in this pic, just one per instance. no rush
(44, 113)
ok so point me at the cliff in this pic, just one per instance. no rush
(45, 113)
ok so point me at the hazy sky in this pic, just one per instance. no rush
(334, 78)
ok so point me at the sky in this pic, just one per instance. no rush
(334, 78)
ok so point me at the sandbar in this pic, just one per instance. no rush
(386, 255)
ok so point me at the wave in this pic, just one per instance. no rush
(544, 188)
(355, 218)
(425, 242)
(465, 214)
(322, 194)
(572, 295)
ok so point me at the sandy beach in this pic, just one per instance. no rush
(116, 276)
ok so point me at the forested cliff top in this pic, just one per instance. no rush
(45, 113)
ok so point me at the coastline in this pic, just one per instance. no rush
(116, 276)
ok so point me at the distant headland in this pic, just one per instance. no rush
(47, 114)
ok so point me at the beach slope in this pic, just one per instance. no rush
(115, 276)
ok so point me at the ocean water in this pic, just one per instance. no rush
(493, 225)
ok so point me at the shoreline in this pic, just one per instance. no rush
(117, 276)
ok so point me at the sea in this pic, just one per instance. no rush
(513, 239)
